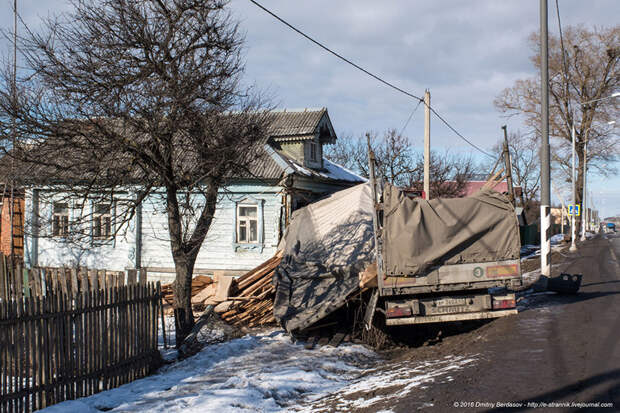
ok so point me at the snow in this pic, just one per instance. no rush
(267, 372)
(332, 171)
(556, 239)
(336, 171)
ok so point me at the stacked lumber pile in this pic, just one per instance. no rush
(199, 283)
(252, 296)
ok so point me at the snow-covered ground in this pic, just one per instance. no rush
(267, 372)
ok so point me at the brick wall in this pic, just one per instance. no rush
(18, 226)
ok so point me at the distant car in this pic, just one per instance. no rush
(611, 227)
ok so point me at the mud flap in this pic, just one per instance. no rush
(565, 283)
(370, 310)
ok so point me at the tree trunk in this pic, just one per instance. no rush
(184, 252)
(579, 187)
(183, 314)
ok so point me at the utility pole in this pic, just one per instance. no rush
(584, 209)
(573, 229)
(545, 160)
(427, 144)
(508, 162)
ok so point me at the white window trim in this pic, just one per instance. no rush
(247, 220)
(249, 200)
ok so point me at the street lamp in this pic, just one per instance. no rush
(584, 210)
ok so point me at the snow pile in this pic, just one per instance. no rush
(269, 373)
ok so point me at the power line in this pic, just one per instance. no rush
(385, 82)
(336, 54)
(410, 116)
(458, 134)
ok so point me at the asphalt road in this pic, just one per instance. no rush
(562, 351)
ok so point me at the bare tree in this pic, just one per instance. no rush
(588, 69)
(394, 154)
(139, 99)
(401, 165)
(449, 174)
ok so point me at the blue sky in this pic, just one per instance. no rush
(464, 51)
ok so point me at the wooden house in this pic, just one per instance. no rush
(251, 215)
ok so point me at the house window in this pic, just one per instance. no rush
(60, 220)
(247, 224)
(102, 227)
(313, 156)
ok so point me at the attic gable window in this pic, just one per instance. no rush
(247, 224)
(102, 221)
(313, 151)
(60, 219)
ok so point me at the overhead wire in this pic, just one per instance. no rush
(376, 77)
(410, 116)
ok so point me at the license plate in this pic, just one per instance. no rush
(449, 310)
(449, 302)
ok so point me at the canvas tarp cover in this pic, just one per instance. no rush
(420, 234)
(326, 245)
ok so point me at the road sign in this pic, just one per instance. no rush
(574, 210)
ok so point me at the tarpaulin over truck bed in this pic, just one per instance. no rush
(326, 245)
(419, 234)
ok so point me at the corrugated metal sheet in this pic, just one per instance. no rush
(290, 123)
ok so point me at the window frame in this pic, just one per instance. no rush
(239, 246)
(99, 215)
(246, 219)
(61, 225)
(313, 151)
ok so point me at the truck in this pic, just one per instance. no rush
(402, 259)
(444, 260)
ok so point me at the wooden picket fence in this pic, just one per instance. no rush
(72, 343)
(17, 281)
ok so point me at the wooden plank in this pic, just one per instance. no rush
(3, 286)
(83, 278)
(93, 280)
(54, 342)
(74, 283)
(336, 339)
(101, 279)
(19, 344)
(257, 273)
(25, 281)
(3, 348)
(90, 348)
(132, 276)
(28, 350)
(109, 279)
(18, 280)
(40, 351)
(250, 290)
(48, 379)
(37, 282)
(142, 276)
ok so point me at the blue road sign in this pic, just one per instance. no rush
(574, 210)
